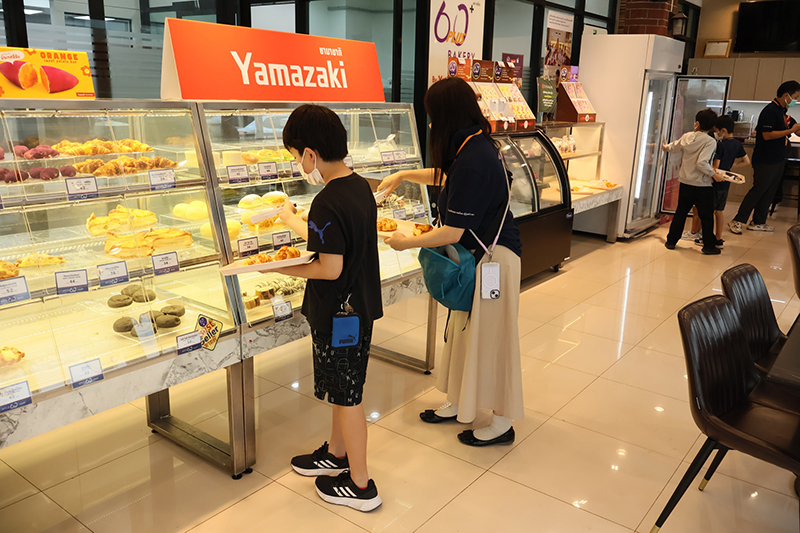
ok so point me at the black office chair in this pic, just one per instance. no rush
(793, 234)
(721, 378)
(745, 288)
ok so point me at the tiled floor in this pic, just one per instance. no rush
(607, 432)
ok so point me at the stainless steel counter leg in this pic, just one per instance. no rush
(407, 361)
(613, 213)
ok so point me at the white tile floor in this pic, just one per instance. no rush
(607, 432)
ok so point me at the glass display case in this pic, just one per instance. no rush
(254, 175)
(580, 146)
(97, 272)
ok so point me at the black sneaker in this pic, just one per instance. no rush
(669, 245)
(711, 251)
(719, 243)
(341, 490)
(320, 463)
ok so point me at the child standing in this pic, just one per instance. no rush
(730, 151)
(345, 278)
(696, 176)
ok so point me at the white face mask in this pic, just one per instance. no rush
(718, 136)
(315, 178)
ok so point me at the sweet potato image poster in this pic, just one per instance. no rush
(38, 73)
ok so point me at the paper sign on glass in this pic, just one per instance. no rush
(14, 396)
(387, 158)
(189, 342)
(248, 246)
(399, 157)
(162, 179)
(72, 281)
(349, 162)
(419, 210)
(165, 263)
(113, 273)
(399, 214)
(86, 373)
(280, 309)
(237, 174)
(81, 188)
(14, 290)
(268, 171)
(281, 238)
(295, 169)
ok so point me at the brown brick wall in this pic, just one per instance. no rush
(646, 16)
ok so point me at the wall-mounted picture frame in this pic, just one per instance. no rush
(717, 48)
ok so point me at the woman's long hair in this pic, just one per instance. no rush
(452, 105)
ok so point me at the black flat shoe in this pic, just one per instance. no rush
(468, 438)
(430, 416)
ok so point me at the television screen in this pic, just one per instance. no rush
(770, 26)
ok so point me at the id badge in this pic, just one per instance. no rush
(490, 281)
(346, 330)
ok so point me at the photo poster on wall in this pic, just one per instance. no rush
(456, 32)
(517, 61)
(558, 49)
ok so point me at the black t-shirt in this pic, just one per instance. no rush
(342, 221)
(728, 151)
(475, 190)
(772, 118)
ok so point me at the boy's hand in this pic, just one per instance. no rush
(665, 147)
(391, 182)
(397, 241)
(796, 128)
(718, 177)
(288, 210)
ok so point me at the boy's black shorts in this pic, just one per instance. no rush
(721, 189)
(340, 372)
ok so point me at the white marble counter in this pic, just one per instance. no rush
(581, 203)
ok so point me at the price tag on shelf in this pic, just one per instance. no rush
(420, 211)
(281, 238)
(399, 157)
(165, 263)
(387, 158)
(237, 174)
(86, 373)
(268, 171)
(282, 310)
(162, 179)
(349, 162)
(399, 214)
(113, 273)
(14, 290)
(189, 342)
(72, 281)
(295, 170)
(81, 188)
(248, 246)
(14, 396)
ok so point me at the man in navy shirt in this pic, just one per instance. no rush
(769, 158)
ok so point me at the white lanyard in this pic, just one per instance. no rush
(488, 251)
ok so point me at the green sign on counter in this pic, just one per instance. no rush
(548, 93)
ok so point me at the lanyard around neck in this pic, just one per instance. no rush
(467, 140)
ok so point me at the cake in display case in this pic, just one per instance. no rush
(95, 267)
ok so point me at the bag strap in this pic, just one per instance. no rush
(497, 222)
(340, 295)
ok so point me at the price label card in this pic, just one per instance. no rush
(268, 171)
(281, 238)
(237, 174)
(387, 158)
(85, 373)
(420, 211)
(399, 157)
(165, 263)
(282, 310)
(72, 281)
(248, 246)
(349, 162)
(14, 290)
(189, 342)
(113, 273)
(295, 169)
(14, 396)
(162, 179)
(81, 188)
(399, 214)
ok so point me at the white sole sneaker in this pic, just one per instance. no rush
(354, 503)
(318, 471)
(761, 227)
(735, 227)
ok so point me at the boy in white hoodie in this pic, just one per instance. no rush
(696, 175)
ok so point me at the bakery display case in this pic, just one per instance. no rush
(254, 175)
(98, 269)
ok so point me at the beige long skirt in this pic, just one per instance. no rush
(480, 367)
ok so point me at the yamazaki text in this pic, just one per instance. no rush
(290, 75)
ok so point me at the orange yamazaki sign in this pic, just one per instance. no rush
(205, 61)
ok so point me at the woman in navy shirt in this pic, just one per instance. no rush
(480, 367)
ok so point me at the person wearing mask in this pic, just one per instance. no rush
(769, 159)
(480, 367)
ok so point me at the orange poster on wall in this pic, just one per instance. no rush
(205, 61)
(37, 73)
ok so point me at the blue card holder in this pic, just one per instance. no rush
(346, 330)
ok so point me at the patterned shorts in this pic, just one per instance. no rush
(340, 372)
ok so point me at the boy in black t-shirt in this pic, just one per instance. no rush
(345, 277)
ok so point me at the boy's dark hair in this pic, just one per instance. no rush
(790, 87)
(725, 121)
(707, 118)
(318, 128)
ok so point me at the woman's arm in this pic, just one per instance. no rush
(424, 176)
(432, 239)
(327, 266)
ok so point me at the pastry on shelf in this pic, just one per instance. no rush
(37, 259)
(133, 218)
(251, 302)
(89, 166)
(287, 252)
(101, 147)
(392, 201)
(387, 224)
(169, 238)
(251, 201)
(250, 158)
(128, 246)
(8, 270)
(275, 198)
(101, 225)
(420, 229)
(258, 259)
(231, 157)
(10, 355)
(265, 292)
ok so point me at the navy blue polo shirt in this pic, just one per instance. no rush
(728, 151)
(475, 190)
(772, 118)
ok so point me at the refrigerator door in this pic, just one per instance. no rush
(644, 196)
(692, 94)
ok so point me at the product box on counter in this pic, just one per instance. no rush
(573, 104)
